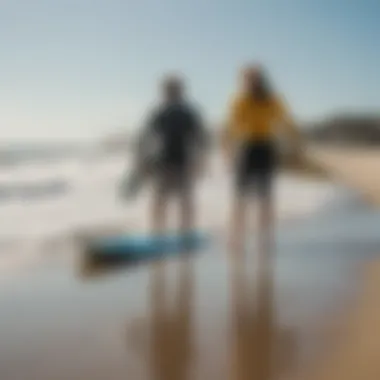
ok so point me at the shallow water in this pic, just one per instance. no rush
(34, 224)
(206, 317)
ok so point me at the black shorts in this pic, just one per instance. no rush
(255, 167)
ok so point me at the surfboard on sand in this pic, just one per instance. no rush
(129, 247)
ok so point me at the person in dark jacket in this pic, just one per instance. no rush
(177, 144)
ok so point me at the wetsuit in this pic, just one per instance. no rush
(180, 135)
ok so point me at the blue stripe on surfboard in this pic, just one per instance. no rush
(130, 246)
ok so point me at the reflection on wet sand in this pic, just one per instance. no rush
(252, 323)
(257, 346)
(56, 327)
(170, 334)
(165, 336)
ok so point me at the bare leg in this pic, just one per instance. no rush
(159, 212)
(238, 224)
(265, 228)
(159, 224)
(187, 212)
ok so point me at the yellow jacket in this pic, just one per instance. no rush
(250, 120)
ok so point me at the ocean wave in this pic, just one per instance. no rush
(10, 192)
(15, 155)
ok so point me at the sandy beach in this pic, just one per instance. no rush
(92, 89)
(356, 167)
(201, 317)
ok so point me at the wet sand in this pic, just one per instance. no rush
(355, 352)
(207, 316)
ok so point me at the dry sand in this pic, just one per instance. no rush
(357, 168)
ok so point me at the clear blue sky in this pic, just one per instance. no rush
(77, 68)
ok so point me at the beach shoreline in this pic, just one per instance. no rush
(49, 223)
(59, 323)
(52, 315)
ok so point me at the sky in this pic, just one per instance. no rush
(82, 68)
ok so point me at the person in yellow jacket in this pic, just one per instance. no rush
(257, 115)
